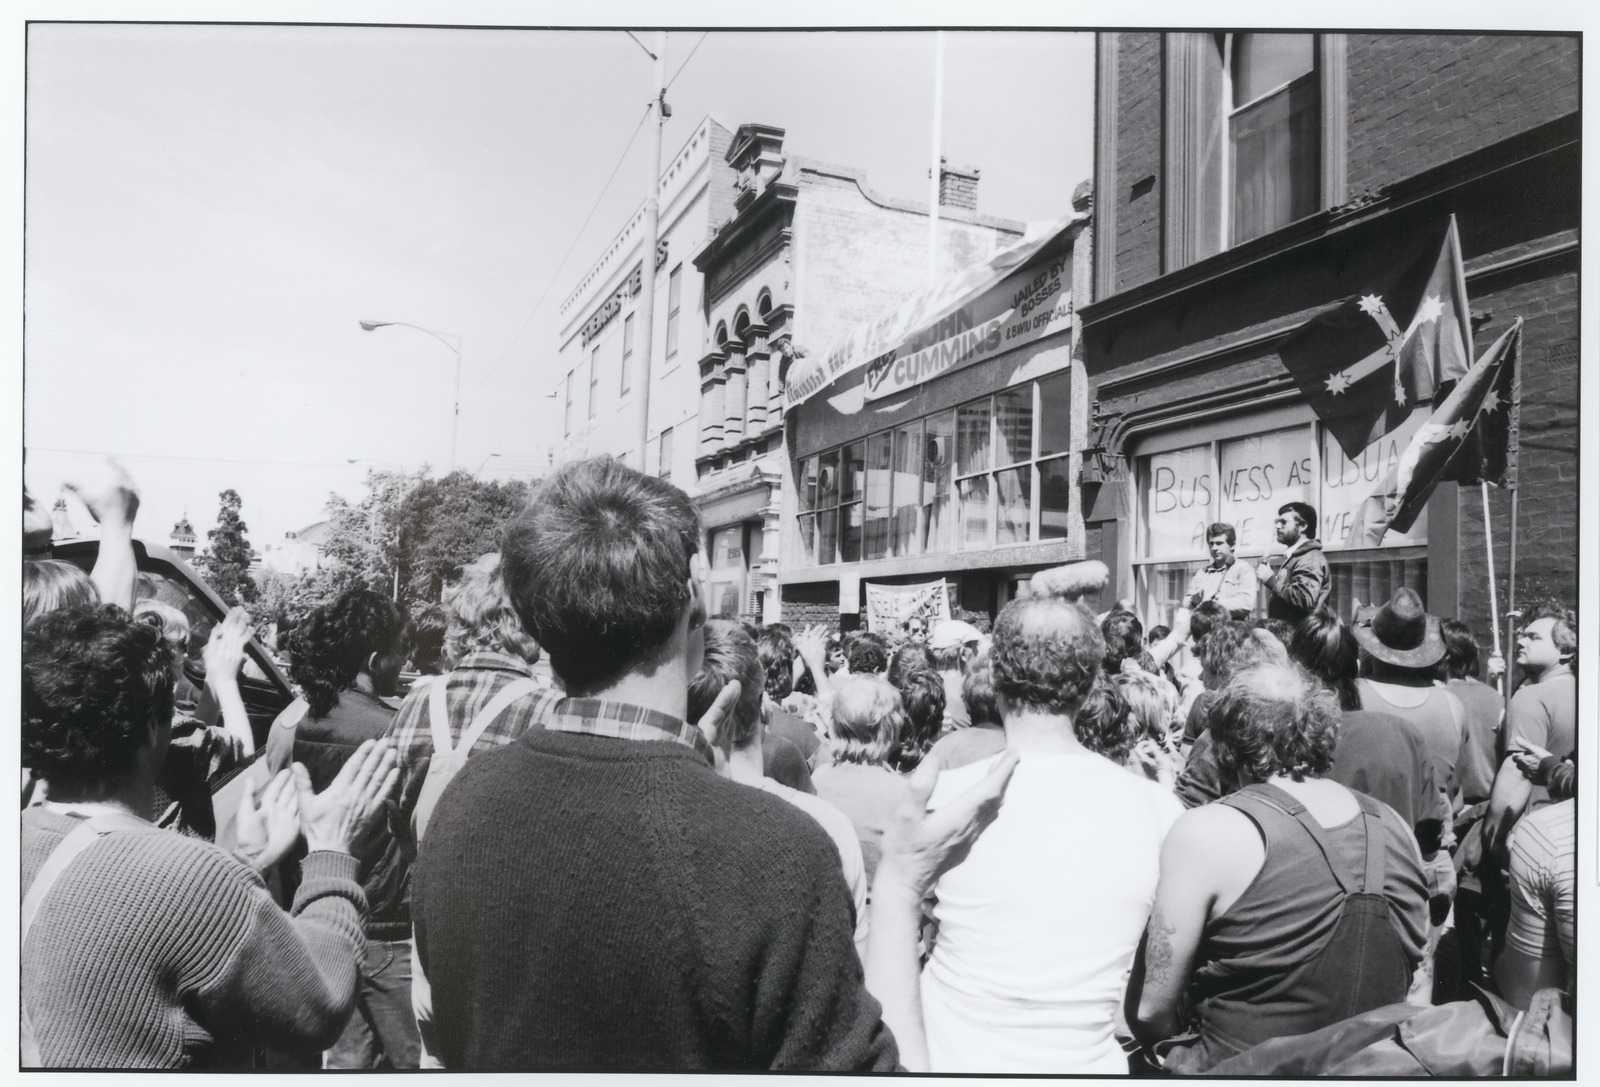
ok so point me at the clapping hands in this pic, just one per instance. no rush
(268, 825)
(332, 818)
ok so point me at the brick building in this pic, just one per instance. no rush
(1248, 181)
(809, 251)
(600, 365)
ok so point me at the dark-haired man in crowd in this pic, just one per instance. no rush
(595, 896)
(1300, 585)
(1225, 580)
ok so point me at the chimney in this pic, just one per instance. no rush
(756, 156)
(958, 186)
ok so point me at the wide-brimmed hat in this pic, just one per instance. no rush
(1400, 632)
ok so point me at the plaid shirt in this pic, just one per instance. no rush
(625, 721)
(468, 688)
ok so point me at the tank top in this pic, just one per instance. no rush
(1330, 927)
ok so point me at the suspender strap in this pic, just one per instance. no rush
(439, 715)
(66, 851)
(1291, 807)
(440, 719)
(1376, 857)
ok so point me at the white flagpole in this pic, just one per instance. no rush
(1494, 593)
(1465, 319)
(933, 173)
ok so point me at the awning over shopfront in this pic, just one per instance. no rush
(1016, 296)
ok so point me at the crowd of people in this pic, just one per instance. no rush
(605, 831)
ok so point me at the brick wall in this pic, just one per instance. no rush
(1418, 101)
(1138, 121)
(799, 615)
(1547, 524)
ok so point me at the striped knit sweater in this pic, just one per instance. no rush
(156, 950)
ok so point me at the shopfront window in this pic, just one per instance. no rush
(905, 489)
(1243, 481)
(880, 449)
(992, 473)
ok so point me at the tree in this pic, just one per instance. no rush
(226, 559)
(445, 524)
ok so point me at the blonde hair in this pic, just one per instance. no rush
(481, 615)
(1152, 703)
(868, 719)
(174, 624)
(53, 584)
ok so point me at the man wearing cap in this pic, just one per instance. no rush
(1300, 585)
(1226, 580)
(954, 643)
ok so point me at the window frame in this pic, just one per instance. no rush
(1189, 79)
(566, 417)
(811, 506)
(594, 382)
(1146, 567)
(627, 356)
(674, 304)
(664, 452)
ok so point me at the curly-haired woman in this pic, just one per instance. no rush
(1286, 906)
(142, 948)
(347, 656)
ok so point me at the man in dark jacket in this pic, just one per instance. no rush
(1300, 585)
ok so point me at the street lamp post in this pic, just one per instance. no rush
(444, 338)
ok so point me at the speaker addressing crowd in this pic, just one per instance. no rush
(606, 832)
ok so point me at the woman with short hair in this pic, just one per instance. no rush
(868, 721)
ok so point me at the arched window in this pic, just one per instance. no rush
(741, 323)
(764, 304)
(721, 335)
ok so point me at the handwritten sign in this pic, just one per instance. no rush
(1179, 496)
(1259, 474)
(890, 607)
(1347, 483)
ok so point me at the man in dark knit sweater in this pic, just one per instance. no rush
(594, 895)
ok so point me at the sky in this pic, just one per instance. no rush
(210, 210)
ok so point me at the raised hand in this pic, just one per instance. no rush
(224, 652)
(332, 818)
(268, 825)
(715, 717)
(115, 501)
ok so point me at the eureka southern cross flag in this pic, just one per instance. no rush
(1362, 370)
(1471, 437)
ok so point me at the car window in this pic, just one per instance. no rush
(199, 612)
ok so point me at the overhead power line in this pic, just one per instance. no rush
(564, 257)
(687, 59)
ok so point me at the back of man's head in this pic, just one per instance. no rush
(777, 651)
(1204, 619)
(867, 654)
(730, 655)
(598, 568)
(1047, 652)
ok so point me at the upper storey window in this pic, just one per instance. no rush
(1254, 137)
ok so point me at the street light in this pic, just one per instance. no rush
(444, 338)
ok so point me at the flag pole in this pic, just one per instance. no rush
(1513, 445)
(1494, 589)
(1512, 613)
